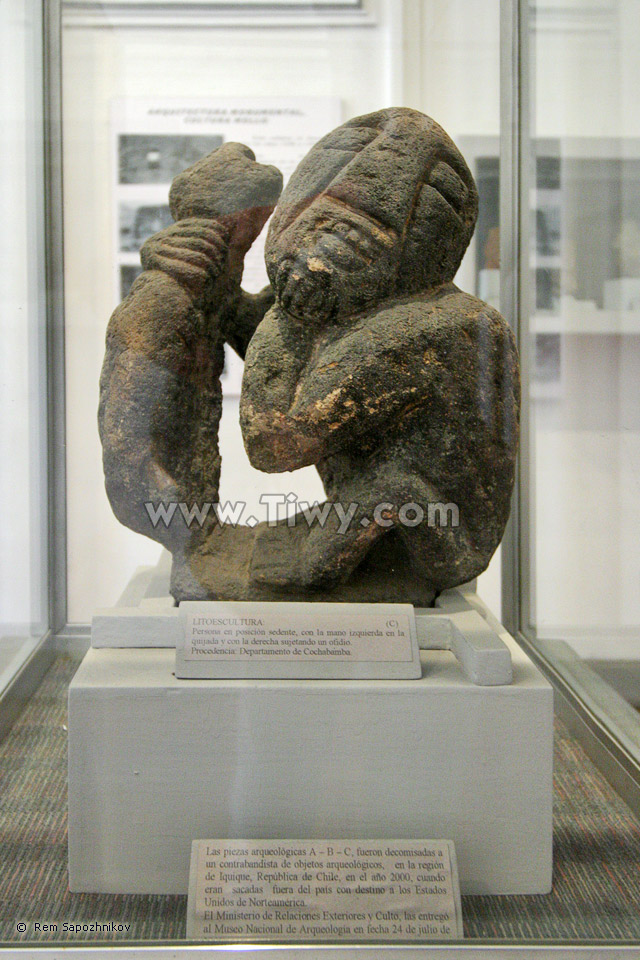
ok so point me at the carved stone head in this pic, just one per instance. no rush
(384, 206)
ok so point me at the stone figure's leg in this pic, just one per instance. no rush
(315, 554)
(441, 545)
(328, 542)
(431, 529)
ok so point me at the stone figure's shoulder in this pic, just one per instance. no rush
(470, 313)
(446, 311)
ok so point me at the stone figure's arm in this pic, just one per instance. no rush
(159, 405)
(249, 312)
(194, 252)
(159, 389)
(220, 205)
(274, 367)
(386, 367)
(160, 397)
(299, 405)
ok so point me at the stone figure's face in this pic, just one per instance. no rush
(383, 206)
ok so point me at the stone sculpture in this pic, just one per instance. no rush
(362, 358)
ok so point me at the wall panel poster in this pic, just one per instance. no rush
(154, 140)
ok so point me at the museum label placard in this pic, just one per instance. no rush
(324, 891)
(334, 641)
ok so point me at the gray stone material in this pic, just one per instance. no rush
(363, 359)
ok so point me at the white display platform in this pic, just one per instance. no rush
(156, 762)
(147, 616)
(144, 616)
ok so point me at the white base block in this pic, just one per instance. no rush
(156, 762)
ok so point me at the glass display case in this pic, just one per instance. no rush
(112, 761)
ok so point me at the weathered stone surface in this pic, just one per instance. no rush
(374, 366)
(221, 563)
(160, 394)
(371, 364)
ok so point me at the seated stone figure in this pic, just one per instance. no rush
(375, 367)
(370, 364)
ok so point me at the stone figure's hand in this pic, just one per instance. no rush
(305, 289)
(230, 187)
(193, 251)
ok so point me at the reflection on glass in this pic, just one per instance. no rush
(584, 563)
(23, 541)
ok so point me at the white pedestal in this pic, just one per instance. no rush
(156, 762)
(146, 616)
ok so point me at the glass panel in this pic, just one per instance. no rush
(149, 86)
(139, 105)
(146, 91)
(23, 532)
(584, 347)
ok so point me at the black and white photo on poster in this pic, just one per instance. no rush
(154, 140)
